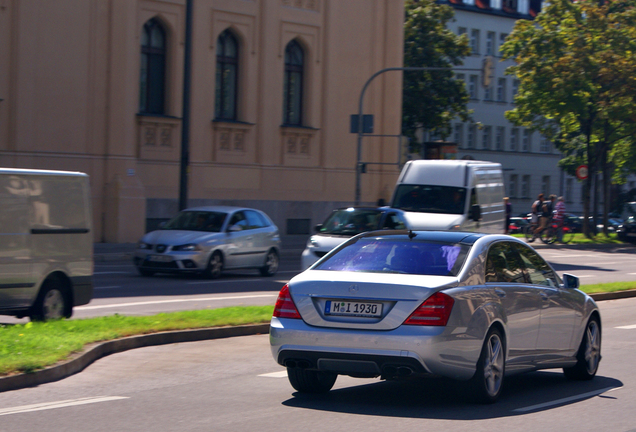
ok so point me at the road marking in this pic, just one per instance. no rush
(121, 272)
(59, 404)
(565, 400)
(173, 301)
(584, 276)
(281, 374)
(629, 327)
(631, 273)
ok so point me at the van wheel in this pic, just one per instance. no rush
(52, 302)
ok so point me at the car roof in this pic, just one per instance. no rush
(443, 236)
(221, 209)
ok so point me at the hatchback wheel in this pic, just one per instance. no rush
(589, 354)
(311, 381)
(488, 380)
(215, 266)
(271, 264)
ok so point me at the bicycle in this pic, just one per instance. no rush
(528, 231)
(556, 232)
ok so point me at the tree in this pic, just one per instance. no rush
(432, 98)
(576, 63)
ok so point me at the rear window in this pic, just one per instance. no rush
(391, 255)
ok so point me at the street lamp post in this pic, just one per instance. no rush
(359, 163)
(184, 166)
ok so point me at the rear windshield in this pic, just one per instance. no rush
(391, 255)
(430, 199)
(351, 221)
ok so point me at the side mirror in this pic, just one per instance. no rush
(235, 228)
(570, 281)
(475, 213)
(318, 227)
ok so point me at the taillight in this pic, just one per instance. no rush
(285, 307)
(433, 312)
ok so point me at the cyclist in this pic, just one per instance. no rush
(546, 215)
(534, 216)
(559, 216)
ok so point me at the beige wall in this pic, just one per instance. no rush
(69, 80)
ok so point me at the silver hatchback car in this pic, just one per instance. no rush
(467, 306)
(208, 240)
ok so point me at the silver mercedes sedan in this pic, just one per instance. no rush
(208, 240)
(396, 304)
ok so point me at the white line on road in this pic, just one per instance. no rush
(564, 400)
(59, 404)
(281, 374)
(629, 327)
(631, 273)
(584, 276)
(173, 301)
(122, 272)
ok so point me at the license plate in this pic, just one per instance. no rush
(356, 309)
(160, 258)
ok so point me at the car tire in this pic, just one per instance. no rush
(311, 381)
(271, 264)
(215, 266)
(487, 383)
(52, 302)
(144, 272)
(589, 354)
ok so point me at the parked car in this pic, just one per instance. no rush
(517, 224)
(467, 306)
(626, 231)
(208, 240)
(344, 223)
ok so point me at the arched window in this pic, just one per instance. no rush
(153, 68)
(226, 76)
(293, 96)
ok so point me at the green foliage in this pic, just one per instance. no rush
(32, 346)
(432, 98)
(577, 69)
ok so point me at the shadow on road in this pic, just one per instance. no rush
(442, 399)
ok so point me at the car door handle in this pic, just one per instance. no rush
(501, 293)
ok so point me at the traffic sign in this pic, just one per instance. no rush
(581, 172)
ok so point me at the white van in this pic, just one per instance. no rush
(464, 195)
(46, 244)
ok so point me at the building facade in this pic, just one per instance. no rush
(528, 159)
(97, 86)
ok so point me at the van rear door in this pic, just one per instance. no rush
(16, 278)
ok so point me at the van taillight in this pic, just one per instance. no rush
(433, 312)
(285, 307)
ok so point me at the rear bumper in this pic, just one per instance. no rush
(403, 351)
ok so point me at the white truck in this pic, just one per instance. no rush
(46, 244)
(463, 195)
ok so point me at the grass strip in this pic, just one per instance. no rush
(580, 238)
(608, 287)
(35, 345)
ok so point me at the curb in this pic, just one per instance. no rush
(99, 350)
(121, 256)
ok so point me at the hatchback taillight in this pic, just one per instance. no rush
(285, 307)
(433, 312)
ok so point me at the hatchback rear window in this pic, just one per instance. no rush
(391, 255)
